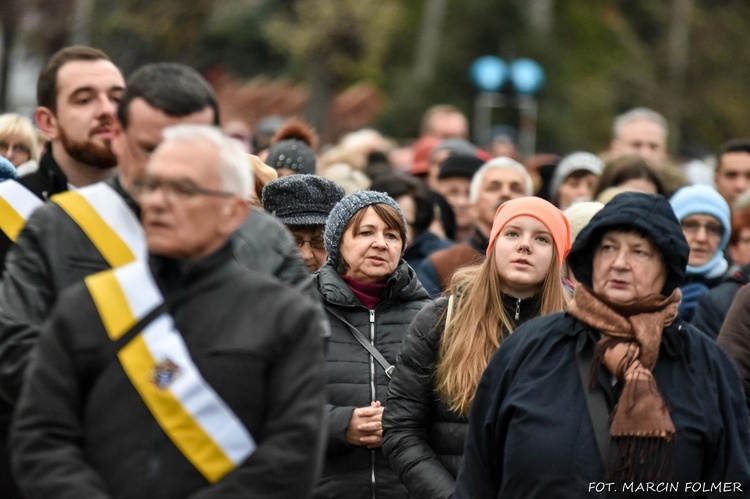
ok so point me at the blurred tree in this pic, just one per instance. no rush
(682, 57)
(333, 44)
(135, 32)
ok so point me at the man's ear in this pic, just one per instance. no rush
(46, 121)
(235, 214)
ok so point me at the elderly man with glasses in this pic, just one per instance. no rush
(186, 375)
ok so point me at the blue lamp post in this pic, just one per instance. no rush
(490, 74)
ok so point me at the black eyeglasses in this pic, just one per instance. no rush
(173, 190)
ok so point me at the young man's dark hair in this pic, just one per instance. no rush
(46, 87)
(734, 145)
(156, 84)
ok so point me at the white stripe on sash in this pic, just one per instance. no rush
(17, 203)
(115, 212)
(158, 363)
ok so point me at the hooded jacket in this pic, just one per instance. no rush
(649, 214)
(530, 430)
(531, 436)
(355, 379)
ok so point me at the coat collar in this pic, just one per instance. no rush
(402, 285)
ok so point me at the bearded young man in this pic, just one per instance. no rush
(77, 96)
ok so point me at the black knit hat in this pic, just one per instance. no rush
(344, 211)
(301, 199)
(292, 154)
(459, 165)
(650, 215)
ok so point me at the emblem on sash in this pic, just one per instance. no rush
(164, 374)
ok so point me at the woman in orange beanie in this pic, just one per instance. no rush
(450, 342)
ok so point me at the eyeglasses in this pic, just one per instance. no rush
(174, 191)
(6, 147)
(316, 243)
(692, 227)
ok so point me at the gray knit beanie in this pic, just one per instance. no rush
(301, 199)
(344, 211)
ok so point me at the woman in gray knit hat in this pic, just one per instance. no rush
(371, 296)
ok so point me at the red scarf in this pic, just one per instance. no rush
(368, 294)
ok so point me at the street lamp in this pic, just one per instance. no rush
(490, 74)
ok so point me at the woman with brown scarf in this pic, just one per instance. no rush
(617, 396)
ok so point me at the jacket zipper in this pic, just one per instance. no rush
(372, 398)
(518, 308)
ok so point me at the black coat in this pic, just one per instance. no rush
(422, 437)
(47, 181)
(81, 430)
(355, 379)
(713, 306)
(52, 253)
(530, 432)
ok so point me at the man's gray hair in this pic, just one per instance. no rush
(234, 167)
(639, 114)
(502, 162)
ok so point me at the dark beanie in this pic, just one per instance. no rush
(344, 211)
(291, 154)
(650, 215)
(301, 199)
(459, 165)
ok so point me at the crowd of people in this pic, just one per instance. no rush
(192, 305)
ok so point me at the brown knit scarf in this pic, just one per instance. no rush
(629, 347)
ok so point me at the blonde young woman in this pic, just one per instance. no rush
(450, 342)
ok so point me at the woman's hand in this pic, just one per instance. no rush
(366, 427)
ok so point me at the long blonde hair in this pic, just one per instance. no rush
(478, 324)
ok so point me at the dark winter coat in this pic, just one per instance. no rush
(530, 432)
(52, 253)
(81, 430)
(735, 336)
(422, 247)
(46, 181)
(422, 437)
(694, 288)
(355, 379)
(713, 306)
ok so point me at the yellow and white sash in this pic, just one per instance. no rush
(108, 222)
(17, 203)
(159, 366)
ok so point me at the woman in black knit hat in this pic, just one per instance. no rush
(618, 390)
